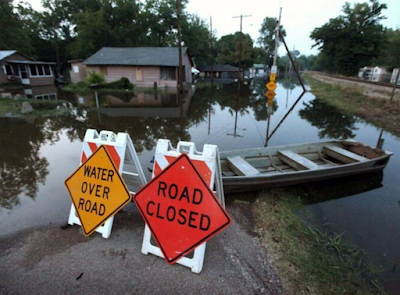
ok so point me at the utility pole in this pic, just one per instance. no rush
(211, 53)
(276, 37)
(240, 44)
(178, 16)
(57, 54)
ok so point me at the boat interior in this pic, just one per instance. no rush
(277, 160)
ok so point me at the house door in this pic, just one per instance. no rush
(139, 74)
(23, 74)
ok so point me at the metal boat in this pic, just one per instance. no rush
(252, 169)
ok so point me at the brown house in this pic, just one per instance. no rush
(18, 68)
(141, 65)
(219, 71)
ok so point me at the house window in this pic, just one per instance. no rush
(8, 70)
(46, 70)
(33, 70)
(75, 69)
(40, 71)
(168, 73)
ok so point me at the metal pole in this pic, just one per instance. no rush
(287, 114)
(268, 123)
(278, 25)
(291, 60)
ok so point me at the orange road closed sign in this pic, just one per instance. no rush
(97, 190)
(271, 85)
(180, 209)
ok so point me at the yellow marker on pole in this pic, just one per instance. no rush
(270, 94)
(271, 85)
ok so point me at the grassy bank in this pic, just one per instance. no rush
(308, 260)
(378, 111)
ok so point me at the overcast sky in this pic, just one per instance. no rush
(299, 18)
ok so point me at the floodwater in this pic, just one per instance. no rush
(38, 154)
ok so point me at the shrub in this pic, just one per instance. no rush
(95, 78)
(122, 83)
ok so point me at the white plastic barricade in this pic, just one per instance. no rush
(207, 163)
(123, 154)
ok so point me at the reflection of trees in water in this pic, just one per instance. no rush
(250, 97)
(21, 167)
(330, 122)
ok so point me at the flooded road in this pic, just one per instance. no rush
(37, 155)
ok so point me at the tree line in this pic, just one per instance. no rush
(355, 39)
(76, 29)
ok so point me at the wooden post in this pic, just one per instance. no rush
(395, 84)
(212, 54)
(178, 16)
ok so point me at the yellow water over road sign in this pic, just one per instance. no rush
(272, 77)
(271, 85)
(270, 94)
(97, 190)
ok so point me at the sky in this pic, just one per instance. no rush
(299, 18)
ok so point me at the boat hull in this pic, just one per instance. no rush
(256, 182)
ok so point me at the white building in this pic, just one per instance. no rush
(373, 74)
(394, 75)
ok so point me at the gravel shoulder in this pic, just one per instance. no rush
(369, 89)
(54, 260)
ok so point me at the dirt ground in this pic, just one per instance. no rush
(53, 260)
(371, 90)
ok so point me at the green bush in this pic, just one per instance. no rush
(95, 78)
(122, 83)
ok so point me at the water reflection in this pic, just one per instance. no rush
(22, 168)
(330, 122)
(338, 188)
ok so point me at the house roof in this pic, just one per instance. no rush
(218, 68)
(6, 53)
(138, 56)
(30, 62)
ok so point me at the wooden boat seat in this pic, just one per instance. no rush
(343, 155)
(296, 161)
(241, 167)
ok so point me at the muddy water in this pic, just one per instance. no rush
(38, 154)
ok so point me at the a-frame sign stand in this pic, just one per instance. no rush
(207, 163)
(123, 154)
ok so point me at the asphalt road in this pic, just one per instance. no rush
(52, 260)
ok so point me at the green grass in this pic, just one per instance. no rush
(309, 260)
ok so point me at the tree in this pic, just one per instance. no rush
(229, 53)
(13, 31)
(93, 33)
(196, 36)
(267, 35)
(390, 55)
(352, 40)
